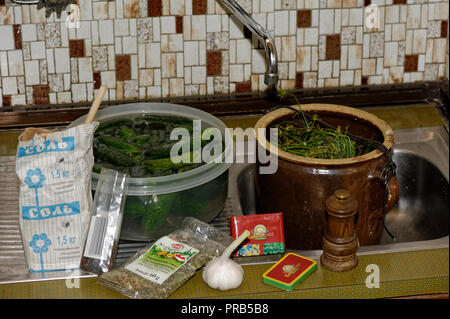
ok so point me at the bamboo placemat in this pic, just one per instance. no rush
(12, 256)
(401, 274)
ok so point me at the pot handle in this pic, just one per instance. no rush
(393, 194)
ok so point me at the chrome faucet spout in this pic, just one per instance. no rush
(271, 75)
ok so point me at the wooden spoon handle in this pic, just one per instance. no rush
(95, 105)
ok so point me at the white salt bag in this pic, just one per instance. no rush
(55, 199)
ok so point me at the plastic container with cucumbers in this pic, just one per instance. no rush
(156, 205)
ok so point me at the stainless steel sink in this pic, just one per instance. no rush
(422, 210)
(418, 221)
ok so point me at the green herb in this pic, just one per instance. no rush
(306, 137)
(284, 95)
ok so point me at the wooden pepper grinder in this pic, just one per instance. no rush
(340, 242)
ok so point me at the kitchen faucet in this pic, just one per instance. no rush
(271, 75)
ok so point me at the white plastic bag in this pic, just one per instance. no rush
(55, 196)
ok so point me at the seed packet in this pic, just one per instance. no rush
(55, 195)
(159, 269)
(266, 234)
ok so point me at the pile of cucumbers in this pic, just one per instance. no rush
(140, 145)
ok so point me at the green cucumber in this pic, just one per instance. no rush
(134, 207)
(164, 164)
(141, 140)
(111, 125)
(164, 150)
(159, 152)
(157, 211)
(118, 144)
(126, 133)
(114, 156)
(188, 206)
(167, 163)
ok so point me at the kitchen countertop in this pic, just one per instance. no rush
(401, 274)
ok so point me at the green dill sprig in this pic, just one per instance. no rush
(308, 138)
(284, 95)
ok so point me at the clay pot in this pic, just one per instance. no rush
(301, 185)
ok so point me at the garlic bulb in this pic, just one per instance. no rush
(222, 272)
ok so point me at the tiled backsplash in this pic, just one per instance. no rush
(143, 49)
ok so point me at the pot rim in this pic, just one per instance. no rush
(266, 120)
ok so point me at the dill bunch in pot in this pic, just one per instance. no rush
(305, 135)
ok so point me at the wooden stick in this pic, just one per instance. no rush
(95, 105)
(29, 132)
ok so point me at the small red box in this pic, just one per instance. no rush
(266, 234)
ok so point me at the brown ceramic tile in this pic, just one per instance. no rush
(333, 47)
(303, 18)
(243, 87)
(131, 9)
(364, 80)
(299, 80)
(394, 79)
(97, 80)
(213, 62)
(179, 24)
(76, 48)
(199, 6)
(399, 1)
(17, 37)
(411, 62)
(6, 100)
(444, 27)
(123, 67)
(154, 8)
(40, 94)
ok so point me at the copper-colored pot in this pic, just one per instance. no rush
(301, 185)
